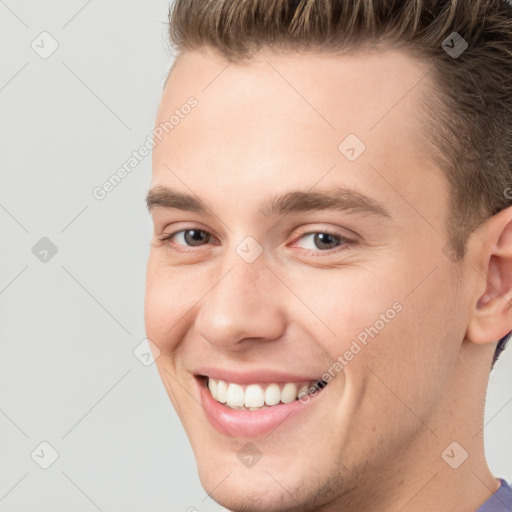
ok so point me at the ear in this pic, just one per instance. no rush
(491, 315)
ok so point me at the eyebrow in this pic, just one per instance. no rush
(339, 198)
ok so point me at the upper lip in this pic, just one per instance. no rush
(253, 376)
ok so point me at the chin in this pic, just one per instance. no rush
(253, 491)
(275, 483)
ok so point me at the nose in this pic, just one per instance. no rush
(244, 304)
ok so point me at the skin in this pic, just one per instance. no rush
(373, 439)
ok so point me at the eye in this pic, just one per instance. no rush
(188, 237)
(322, 241)
(312, 243)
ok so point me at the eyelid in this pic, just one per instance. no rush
(339, 232)
(178, 227)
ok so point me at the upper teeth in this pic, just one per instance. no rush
(256, 395)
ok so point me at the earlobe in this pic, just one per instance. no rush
(491, 317)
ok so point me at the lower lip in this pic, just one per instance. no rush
(240, 423)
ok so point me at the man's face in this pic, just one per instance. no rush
(266, 286)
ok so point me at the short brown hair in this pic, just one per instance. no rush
(470, 119)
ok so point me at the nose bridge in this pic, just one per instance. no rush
(241, 304)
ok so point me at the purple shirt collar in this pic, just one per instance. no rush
(500, 501)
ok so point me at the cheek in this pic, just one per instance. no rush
(411, 359)
(353, 305)
(166, 304)
(382, 320)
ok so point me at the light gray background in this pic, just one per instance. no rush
(70, 325)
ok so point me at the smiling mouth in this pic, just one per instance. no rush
(256, 397)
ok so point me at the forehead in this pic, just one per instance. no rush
(363, 83)
(282, 116)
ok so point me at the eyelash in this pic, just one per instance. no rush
(344, 242)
